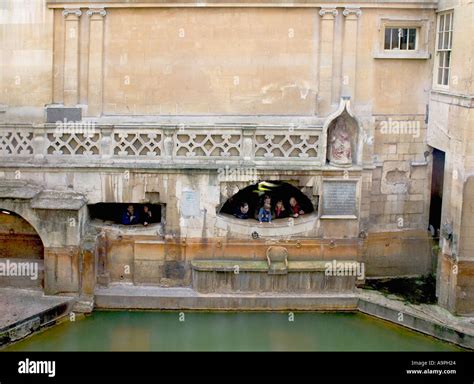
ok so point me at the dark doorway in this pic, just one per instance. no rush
(437, 180)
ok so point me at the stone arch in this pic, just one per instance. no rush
(23, 209)
(352, 124)
(254, 193)
(22, 250)
(18, 238)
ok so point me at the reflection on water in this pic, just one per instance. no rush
(214, 331)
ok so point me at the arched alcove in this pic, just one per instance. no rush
(18, 238)
(254, 194)
(21, 252)
(342, 140)
(342, 130)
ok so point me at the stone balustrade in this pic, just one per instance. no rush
(79, 143)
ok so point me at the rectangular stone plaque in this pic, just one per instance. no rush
(190, 204)
(62, 114)
(339, 198)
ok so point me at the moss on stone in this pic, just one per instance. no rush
(418, 290)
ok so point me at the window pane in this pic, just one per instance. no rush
(402, 33)
(441, 59)
(441, 23)
(446, 40)
(447, 23)
(387, 38)
(447, 57)
(450, 40)
(440, 76)
(411, 38)
(445, 76)
(394, 38)
(440, 40)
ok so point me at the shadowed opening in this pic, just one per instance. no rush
(115, 213)
(255, 194)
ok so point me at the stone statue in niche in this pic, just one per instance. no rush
(340, 148)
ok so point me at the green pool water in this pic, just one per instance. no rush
(224, 331)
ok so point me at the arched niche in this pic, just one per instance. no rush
(18, 238)
(342, 138)
(21, 249)
(254, 194)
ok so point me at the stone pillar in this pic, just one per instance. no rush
(96, 53)
(39, 143)
(248, 143)
(326, 59)
(106, 142)
(71, 57)
(168, 143)
(349, 51)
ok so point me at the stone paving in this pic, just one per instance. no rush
(18, 305)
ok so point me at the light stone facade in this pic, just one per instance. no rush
(177, 92)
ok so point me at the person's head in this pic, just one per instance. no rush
(130, 209)
(244, 207)
(267, 201)
(280, 205)
(293, 201)
(145, 209)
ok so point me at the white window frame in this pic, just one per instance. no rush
(441, 52)
(417, 33)
(421, 51)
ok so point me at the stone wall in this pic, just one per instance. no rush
(401, 180)
(26, 44)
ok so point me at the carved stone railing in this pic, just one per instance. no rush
(118, 144)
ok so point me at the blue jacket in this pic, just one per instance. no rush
(127, 219)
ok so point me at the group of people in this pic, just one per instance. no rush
(266, 213)
(131, 217)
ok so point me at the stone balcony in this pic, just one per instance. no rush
(161, 146)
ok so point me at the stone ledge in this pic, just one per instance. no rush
(279, 227)
(428, 319)
(63, 200)
(401, 55)
(240, 3)
(18, 189)
(259, 266)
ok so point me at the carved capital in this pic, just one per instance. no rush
(328, 12)
(72, 11)
(352, 12)
(97, 11)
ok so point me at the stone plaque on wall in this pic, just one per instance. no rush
(190, 204)
(339, 198)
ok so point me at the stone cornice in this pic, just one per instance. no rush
(400, 4)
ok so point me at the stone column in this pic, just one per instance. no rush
(248, 143)
(96, 53)
(71, 57)
(326, 59)
(168, 143)
(349, 52)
